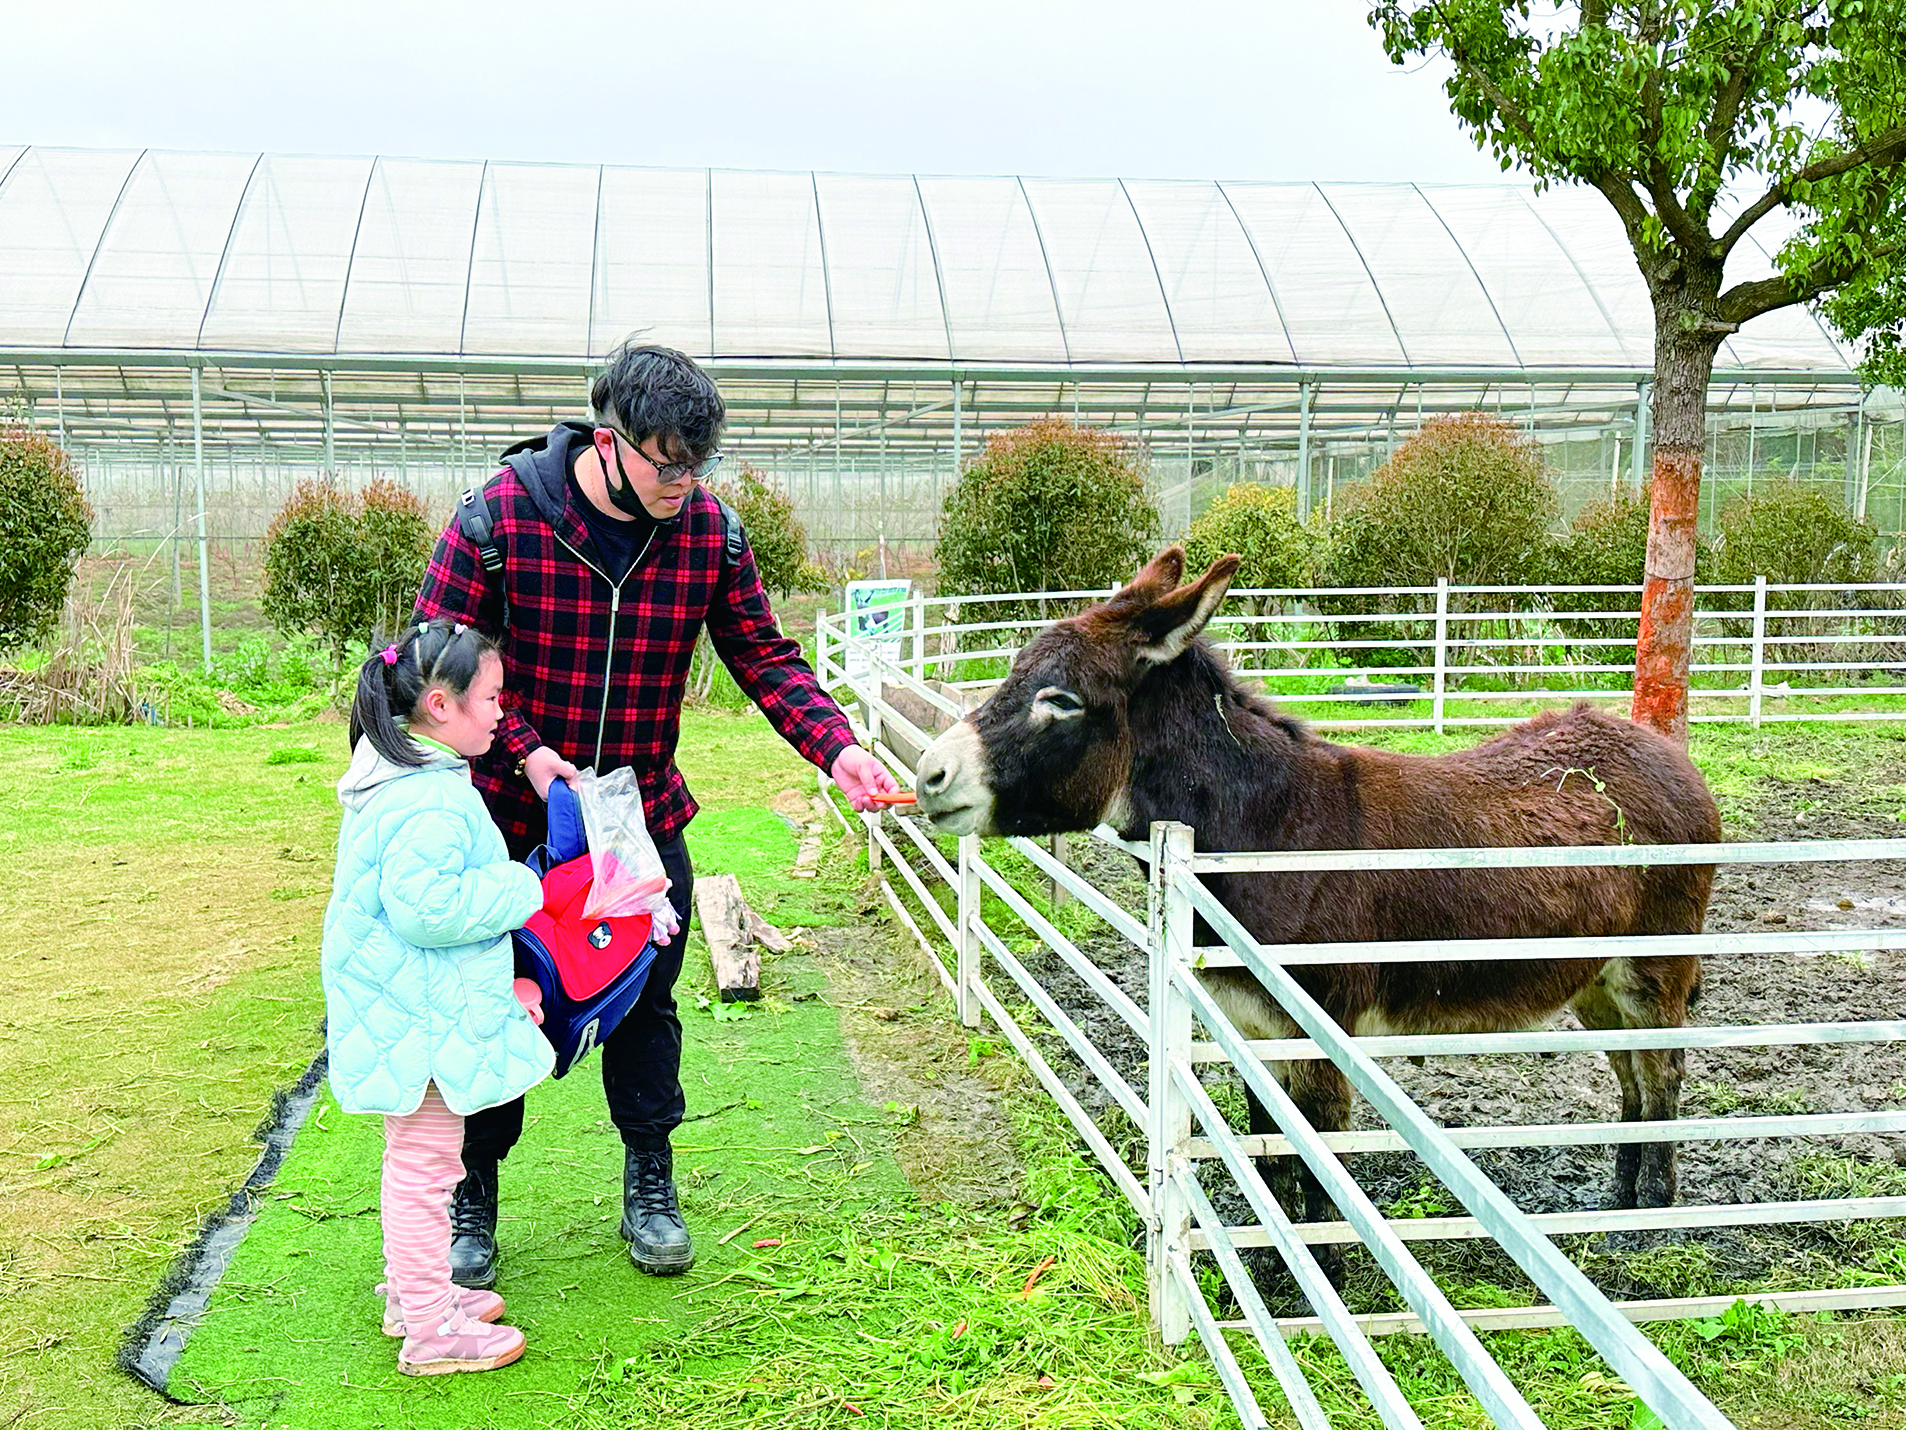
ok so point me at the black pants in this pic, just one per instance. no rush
(641, 1059)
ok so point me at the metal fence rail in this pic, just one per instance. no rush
(1751, 644)
(1172, 1117)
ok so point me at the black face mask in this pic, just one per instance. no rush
(621, 490)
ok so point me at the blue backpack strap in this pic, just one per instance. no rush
(568, 835)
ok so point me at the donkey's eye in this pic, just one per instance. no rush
(1059, 703)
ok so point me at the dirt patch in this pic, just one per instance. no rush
(953, 1138)
(1580, 1087)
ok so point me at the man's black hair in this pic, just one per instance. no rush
(651, 391)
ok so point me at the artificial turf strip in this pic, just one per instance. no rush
(778, 1134)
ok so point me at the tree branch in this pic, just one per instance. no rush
(1628, 207)
(1493, 92)
(1883, 152)
(1719, 134)
(1668, 208)
(1762, 295)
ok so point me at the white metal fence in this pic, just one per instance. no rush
(1477, 655)
(1174, 1119)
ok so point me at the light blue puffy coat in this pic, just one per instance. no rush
(417, 963)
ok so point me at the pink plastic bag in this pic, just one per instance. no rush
(628, 873)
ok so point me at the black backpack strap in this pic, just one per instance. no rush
(475, 521)
(734, 540)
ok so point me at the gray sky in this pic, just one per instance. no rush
(1276, 89)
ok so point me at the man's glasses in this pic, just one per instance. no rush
(666, 472)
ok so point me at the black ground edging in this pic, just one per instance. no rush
(155, 1341)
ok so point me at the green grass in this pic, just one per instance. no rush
(169, 892)
(778, 1141)
(164, 893)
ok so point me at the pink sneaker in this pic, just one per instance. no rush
(478, 1305)
(459, 1343)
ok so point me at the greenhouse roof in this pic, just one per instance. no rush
(117, 253)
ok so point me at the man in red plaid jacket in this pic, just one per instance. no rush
(613, 561)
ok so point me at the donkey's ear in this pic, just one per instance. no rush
(1167, 626)
(1155, 580)
(1164, 571)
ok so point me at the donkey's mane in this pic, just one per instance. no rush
(1202, 664)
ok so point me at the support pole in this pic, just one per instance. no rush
(330, 428)
(1441, 674)
(1866, 460)
(1850, 468)
(1303, 451)
(205, 571)
(1169, 1132)
(1758, 661)
(959, 425)
(1638, 459)
(966, 972)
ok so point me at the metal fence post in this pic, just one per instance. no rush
(967, 970)
(1170, 1113)
(920, 636)
(1759, 659)
(1442, 651)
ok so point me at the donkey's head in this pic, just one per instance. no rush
(1052, 750)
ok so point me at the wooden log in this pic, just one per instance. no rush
(736, 935)
(809, 854)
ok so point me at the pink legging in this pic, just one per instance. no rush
(423, 1162)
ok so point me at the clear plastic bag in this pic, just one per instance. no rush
(628, 874)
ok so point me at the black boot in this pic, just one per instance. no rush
(651, 1218)
(473, 1227)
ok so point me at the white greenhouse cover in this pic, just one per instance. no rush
(126, 251)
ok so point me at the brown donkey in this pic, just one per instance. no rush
(1123, 715)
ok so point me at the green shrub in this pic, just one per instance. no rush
(343, 566)
(1466, 498)
(45, 524)
(1259, 523)
(1047, 507)
(1790, 532)
(775, 534)
(1606, 545)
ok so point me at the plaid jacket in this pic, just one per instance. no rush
(598, 671)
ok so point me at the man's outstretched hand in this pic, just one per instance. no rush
(544, 767)
(859, 776)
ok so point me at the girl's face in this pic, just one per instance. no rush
(465, 723)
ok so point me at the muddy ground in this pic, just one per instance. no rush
(1580, 1087)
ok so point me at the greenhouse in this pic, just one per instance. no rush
(261, 317)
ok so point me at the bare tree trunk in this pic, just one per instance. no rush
(1684, 361)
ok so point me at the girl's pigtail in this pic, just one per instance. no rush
(391, 684)
(382, 683)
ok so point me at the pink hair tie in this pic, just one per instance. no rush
(389, 653)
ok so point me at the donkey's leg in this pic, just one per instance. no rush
(1322, 1095)
(1279, 1173)
(1655, 993)
(1598, 1010)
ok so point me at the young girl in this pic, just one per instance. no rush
(424, 1024)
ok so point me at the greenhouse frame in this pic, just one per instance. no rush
(261, 317)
